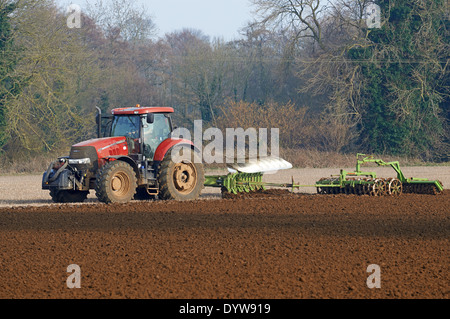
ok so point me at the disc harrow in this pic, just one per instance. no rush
(367, 183)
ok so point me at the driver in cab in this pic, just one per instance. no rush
(151, 140)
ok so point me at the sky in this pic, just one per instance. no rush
(216, 18)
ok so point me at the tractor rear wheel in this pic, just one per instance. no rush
(116, 183)
(68, 196)
(181, 177)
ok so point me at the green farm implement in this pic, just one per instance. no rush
(367, 183)
(248, 178)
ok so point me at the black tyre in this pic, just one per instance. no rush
(68, 196)
(116, 183)
(181, 177)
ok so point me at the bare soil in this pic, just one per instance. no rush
(280, 246)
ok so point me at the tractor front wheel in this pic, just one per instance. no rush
(116, 183)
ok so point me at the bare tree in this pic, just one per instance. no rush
(122, 17)
(302, 17)
(56, 68)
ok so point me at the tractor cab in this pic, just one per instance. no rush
(145, 128)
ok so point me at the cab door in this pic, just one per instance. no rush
(129, 127)
(155, 133)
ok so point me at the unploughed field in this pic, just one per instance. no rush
(278, 246)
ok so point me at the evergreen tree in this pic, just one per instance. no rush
(405, 99)
(8, 59)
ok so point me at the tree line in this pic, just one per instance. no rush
(315, 69)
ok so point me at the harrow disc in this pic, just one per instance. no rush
(360, 189)
(421, 188)
(434, 190)
(366, 189)
(347, 190)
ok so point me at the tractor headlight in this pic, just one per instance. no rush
(81, 161)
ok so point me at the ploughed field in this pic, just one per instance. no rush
(277, 246)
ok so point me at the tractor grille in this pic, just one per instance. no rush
(85, 152)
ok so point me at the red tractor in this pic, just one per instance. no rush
(135, 159)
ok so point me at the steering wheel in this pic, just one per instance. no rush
(132, 133)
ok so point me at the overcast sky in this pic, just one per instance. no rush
(216, 18)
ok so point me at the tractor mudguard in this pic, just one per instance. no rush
(168, 144)
(126, 159)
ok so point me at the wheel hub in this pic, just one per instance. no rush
(120, 184)
(185, 177)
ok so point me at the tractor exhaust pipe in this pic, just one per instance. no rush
(98, 119)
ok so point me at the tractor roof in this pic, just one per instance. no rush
(138, 110)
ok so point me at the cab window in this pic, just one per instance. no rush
(155, 134)
(127, 126)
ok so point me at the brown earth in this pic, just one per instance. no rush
(281, 246)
